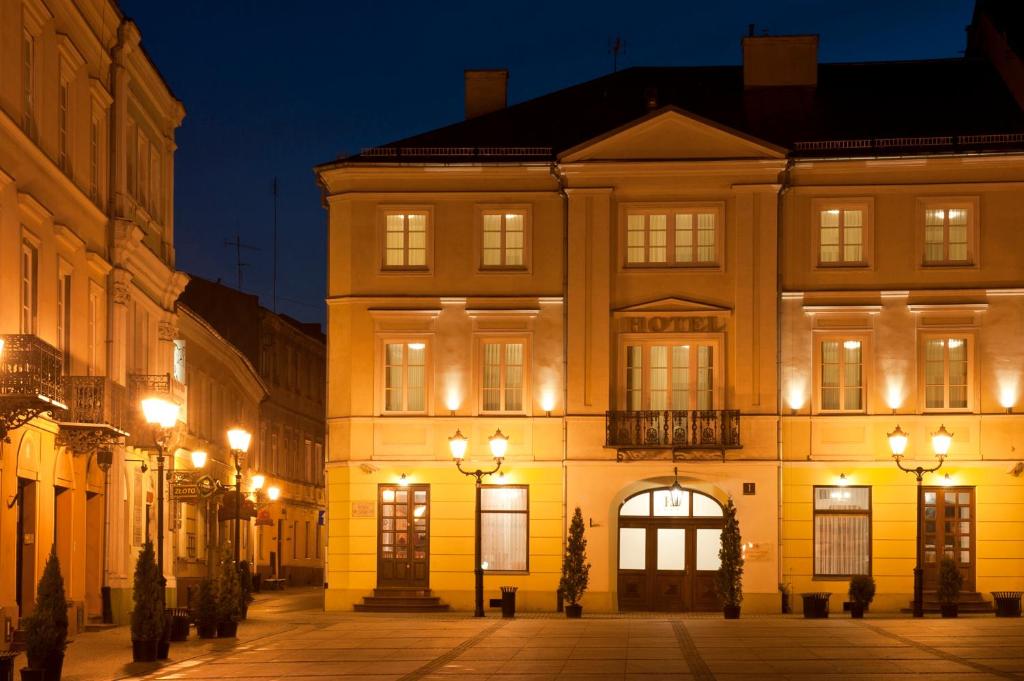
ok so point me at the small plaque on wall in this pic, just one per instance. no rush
(363, 509)
(750, 488)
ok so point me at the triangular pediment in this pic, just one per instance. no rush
(671, 133)
(674, 305)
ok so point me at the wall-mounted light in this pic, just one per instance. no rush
(894, 396)
(795, 397)
(452, 400)
(403, 480)
(547, 401)
(843, 481)
(946, 480)
(675, 492)
(1007, 396)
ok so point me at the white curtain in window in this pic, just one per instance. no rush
(513, 239)
(841, 545)
(492, 240)
(513, 376)
(705, 237)
(684, 237)
(503, 528)
(657, 238)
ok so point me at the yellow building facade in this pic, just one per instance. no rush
(705, 276)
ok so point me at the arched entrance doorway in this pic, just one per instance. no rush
(668, 551)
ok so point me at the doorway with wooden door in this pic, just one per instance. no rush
(403, 536)
(947, 519)
(668, 551)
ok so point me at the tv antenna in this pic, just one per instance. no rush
(239, 264)
(615, 48)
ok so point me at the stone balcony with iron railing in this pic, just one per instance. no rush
(95, 415)
(31, 380)
(715, 429)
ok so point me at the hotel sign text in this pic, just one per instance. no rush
(672, 325)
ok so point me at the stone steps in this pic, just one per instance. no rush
(401, 600)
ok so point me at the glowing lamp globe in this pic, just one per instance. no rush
(499, 444)
(941, 441)
(273, 493)
(897, 442)
(198, 459)
(239, 438)
(160, 412)
(457, 444)
(257, 482)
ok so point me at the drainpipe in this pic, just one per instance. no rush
(783, 190)
(565, 347)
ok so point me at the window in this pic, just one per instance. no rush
(305, 548)
(318, 539)
(29, 294)
(28, 82)
(841, 236)
(842, 375)
(949, 232)
(669, 375)
(504, 239)
(142, 167)
(842, 531)
(405, 377)
(946, 372)
(63, 124)
(130, 156)
(95, 126)
(681, 237)
(295, 539)
(504, 528)
(94, 331)
(64, 316)
(405, 240)
(179, 361)
(274, 455)
(503, 371)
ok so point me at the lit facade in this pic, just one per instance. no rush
(710, 275)
(87, 290)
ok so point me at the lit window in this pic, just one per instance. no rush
(841, 236)
(29, 293)
(504, 523)
(842, 375)
(946, 232)
(669, 376)
(94, 158)
(672, 237)
(503, 376)
(28, 82)
(405, 240)
(842, 531)
(63, 123)
(946, 364)
(504, 239)
(405, 377)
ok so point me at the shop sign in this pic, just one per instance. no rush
(363, 509)
(263, 518)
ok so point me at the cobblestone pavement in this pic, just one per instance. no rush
(288, 637)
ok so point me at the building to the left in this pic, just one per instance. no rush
(87, 299)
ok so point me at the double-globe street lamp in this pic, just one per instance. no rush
(238, 440)
(941, 441)
(499, 445)
(163, 416)
(273, 493)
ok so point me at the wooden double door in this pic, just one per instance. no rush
(948, 530)
(668, 564)
(403, 536)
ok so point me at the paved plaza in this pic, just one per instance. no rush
(287, 637)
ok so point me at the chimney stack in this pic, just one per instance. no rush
(785, 60)
(486, 91)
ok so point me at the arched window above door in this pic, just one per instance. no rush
(659, 503)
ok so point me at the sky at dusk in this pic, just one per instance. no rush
(274, 88)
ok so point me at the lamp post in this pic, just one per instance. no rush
(457, 444)
(162, 415)
(238, 440)
(941, 440)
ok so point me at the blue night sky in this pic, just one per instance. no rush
(273, 88)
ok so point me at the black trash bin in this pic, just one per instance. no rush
(1007, 603)
(180, 620)
(816, 605)
(508, 601)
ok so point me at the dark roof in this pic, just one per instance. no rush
(1007, 16)
(868, 108)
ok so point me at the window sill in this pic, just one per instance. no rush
(843, 265)
(948, 264)
(672, 266)
(507, 572)
(503, 270)
(831, 578)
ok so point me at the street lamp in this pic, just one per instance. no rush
(162, 415)
(499, 445)
(238, 440)
(941, 440)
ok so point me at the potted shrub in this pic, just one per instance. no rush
(245, 583)
(729, 579)
(862, 592)
(575, 568)
(229, 595)
(46, 629)
(950, 581)
(148, 613)
(206, 609)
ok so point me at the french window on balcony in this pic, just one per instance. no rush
(30, 380)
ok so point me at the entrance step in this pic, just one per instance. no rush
(95, 623)
(968, 602)
(401, 600)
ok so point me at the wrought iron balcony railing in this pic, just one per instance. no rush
(95, 415)
(663, 429)
(30, 380)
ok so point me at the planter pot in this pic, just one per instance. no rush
(206, 629)
(144, 650)
(949, 609)
(163, 648)
(179, 628)
(574, 611)
(33, 674)
(227, 629)
(50, 667)
(54, 670)
(731, 612)
(857, 611)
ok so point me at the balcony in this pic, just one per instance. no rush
(141, 386)
(30, 380)
(95, 415)
(717, 429)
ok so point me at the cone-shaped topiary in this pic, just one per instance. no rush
(229, 591)
(148, 613)
(205, 607)
(729, 579)
(950, 582)
(245, 584)
(46, 629)
(575, 568)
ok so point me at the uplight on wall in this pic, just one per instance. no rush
(796, 396)
(452, 400)
(547, 401)
(1007, 395)
(894, 395)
